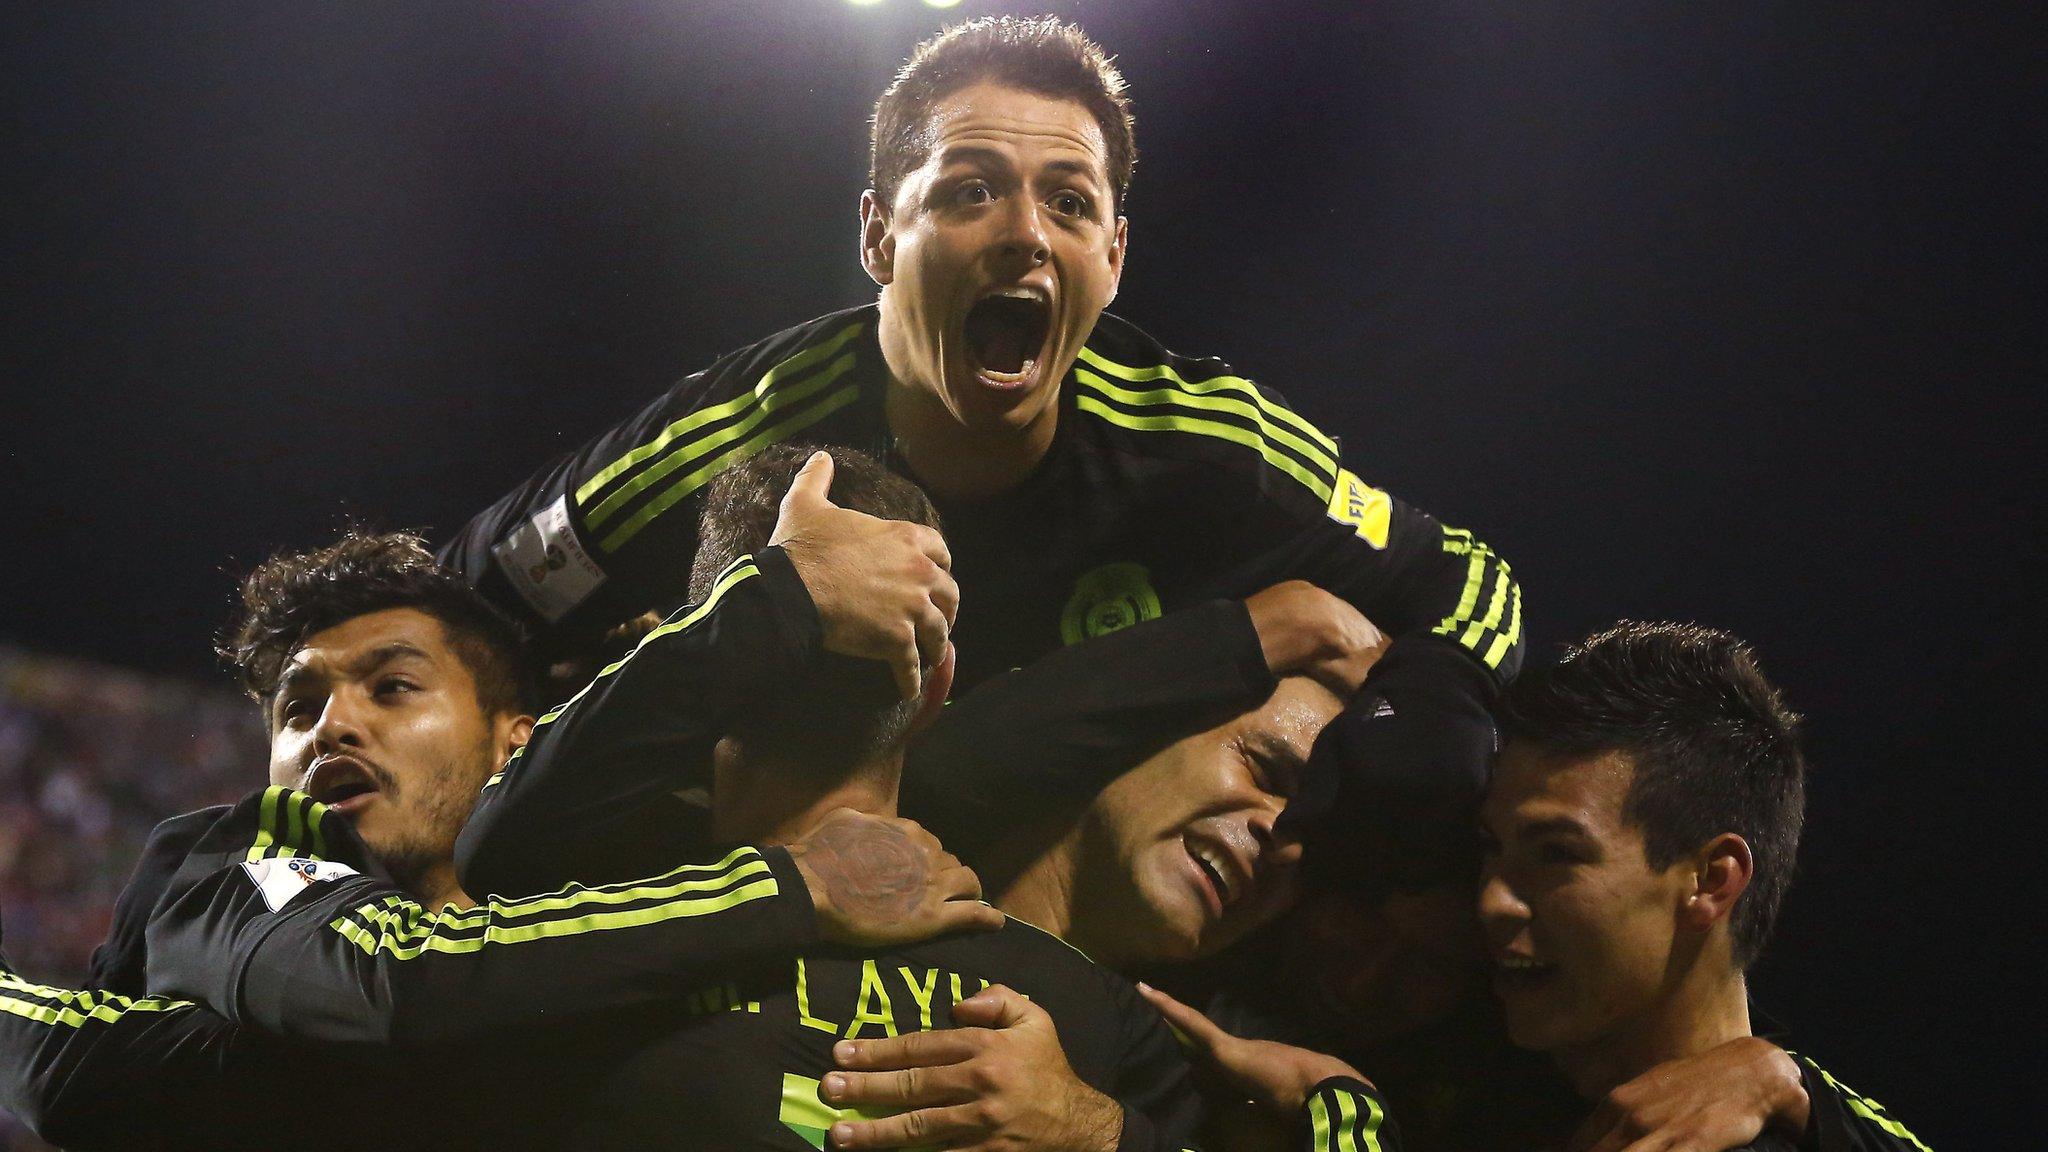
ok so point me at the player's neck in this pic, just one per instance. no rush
(767, 803)
(953, 462)
(1041, 892)
(1708, 1007)
(436, 886)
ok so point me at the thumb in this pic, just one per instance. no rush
(993, 1007)
(813, 482)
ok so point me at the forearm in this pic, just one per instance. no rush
(93, 1070)
(386, 973)
(643, 728)
(1070, 722)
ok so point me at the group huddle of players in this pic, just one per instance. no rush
(1221, 717)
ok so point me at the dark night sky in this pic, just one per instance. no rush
(1704, 311)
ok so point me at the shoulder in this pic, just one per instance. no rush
(171, 839)
(814, 353)
(1839, 1111)
(1074, 971)
(120, 963)
(1150, 400)
(1029, 939)
(273, 823)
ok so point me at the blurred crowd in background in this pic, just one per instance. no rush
(91, 757)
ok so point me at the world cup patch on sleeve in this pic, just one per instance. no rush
(281, 878)
(1368, 510)
(546, 563)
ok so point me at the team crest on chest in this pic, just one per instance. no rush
(1110, 597)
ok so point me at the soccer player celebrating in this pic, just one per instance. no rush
(732, 682)
(326, 906)
(1639, 835)
(1090, 478)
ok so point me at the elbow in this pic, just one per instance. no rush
(80, 1121)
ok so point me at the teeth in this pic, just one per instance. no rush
(1022, 371)
(1215, 864)
(1022, 292)
(1521, 964)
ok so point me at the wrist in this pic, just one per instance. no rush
(1791, 1109)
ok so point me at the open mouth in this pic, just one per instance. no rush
(341, 782)
(1006, 335)
(1225, 882)
(1519, 973)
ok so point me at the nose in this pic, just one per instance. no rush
(1500, 910)
(1280, 846)
(339, 726)
(1022, 244)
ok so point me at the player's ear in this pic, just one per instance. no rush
(938, 684)
(1117, 246)
(877, 241)
(1721, 874)
(513, 733)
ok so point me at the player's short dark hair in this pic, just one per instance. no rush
(846, 711)
(1712, 747)
(1042, 55)
(292, 596)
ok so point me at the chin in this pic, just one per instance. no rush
(1539, 1029)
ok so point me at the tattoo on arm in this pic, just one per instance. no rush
(871, 871)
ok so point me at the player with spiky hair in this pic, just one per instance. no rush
(1639, 836)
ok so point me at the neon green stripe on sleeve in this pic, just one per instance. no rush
(74, 1007)
(681, 489)
(700, 418)
(778, 400)
(1321, 487)
(1319, 1122)
(1197, 402)
(1236, 384)
(400, 944)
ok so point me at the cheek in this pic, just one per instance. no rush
(287, 760)
(1613, 939)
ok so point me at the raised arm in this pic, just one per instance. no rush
(280, 920)
(575, 803)
(1061, 728)
(608, 531)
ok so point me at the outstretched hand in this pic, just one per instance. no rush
(1277, 1077)
(882, 587)
(883, 880)
(997, 1080)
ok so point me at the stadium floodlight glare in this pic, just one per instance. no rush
(863, 3)
(942, 3)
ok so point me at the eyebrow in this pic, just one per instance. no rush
(375, 658)
(1272, 748)
(1550, 825)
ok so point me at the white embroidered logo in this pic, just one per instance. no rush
(281, 878)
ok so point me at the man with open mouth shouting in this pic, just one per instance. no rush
(1088, 477)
